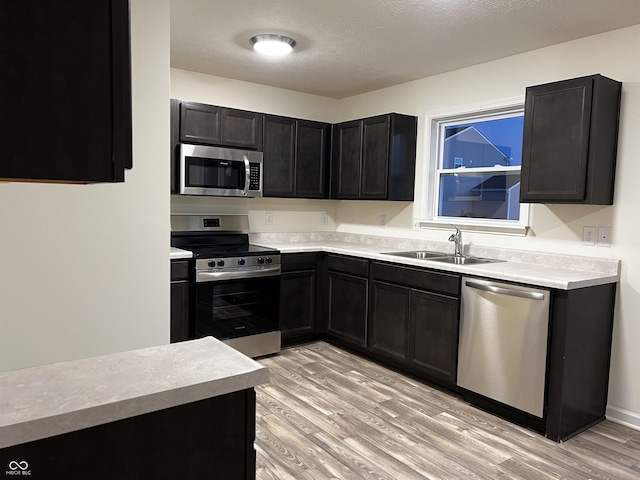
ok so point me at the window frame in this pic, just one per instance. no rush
(430, 186)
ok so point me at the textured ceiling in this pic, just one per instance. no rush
(346, 47)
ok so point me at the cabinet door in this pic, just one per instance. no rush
(556, 141)
(375, 157)
(433, 347)
(346, 161)
(389, 320)
(200, 123)
(179, 330)
(570, 141)
(174, 135)
(348, 308)
(297, 303)
(279, 156)
(65, 96)
(312, 154)
(240, 128)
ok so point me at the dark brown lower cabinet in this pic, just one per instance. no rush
(414, 319)
(433, 330)
(389, 320)
(211, 438)
(298, 296)
(179, 329)
(347, 292)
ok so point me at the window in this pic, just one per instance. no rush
(475, 164)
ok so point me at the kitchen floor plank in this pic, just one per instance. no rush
(330, 414)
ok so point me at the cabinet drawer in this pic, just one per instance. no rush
(416, 278)
(179, 270)
(352, 265)
(298, 261)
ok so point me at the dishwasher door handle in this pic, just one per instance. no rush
(505, 291)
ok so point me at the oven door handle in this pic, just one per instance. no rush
(247, 176)
(238, 274)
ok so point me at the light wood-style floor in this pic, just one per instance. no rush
(330, 414)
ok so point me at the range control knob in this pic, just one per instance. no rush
(260, 260)
(221, 263)
(269, 260)
(241, 261)
(212, 263)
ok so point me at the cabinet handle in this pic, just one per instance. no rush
(505, 291)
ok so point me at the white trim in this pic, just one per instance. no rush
(624, 417)
(429, 187)
(475, 225)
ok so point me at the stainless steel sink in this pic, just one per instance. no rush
(417, 254)
(464, 260)
(442, 257)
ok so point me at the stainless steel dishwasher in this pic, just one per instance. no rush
(503, 343)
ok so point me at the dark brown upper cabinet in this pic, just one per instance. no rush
(374, 158)
(65, 101)
(213, 125)
(570, 141)
(296, 155)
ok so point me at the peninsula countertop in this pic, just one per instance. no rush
(43, 401)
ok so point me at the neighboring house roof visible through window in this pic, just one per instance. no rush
(467, 147)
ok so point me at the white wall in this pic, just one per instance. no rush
(85, 268)
(554, 228)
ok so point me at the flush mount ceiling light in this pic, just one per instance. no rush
(272, 44)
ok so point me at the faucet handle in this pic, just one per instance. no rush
(452, 237)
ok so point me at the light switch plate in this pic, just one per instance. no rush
(604, 236)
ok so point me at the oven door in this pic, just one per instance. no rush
(242, 312)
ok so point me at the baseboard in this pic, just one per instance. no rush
(624, 417)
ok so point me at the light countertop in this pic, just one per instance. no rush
(178, 254)
(562, 272)
(48, 400)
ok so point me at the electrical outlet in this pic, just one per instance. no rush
(589, 236)
(383, 220)
(604, 236)
(268, 218)
(324, 219)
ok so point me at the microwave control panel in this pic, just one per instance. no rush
(254, 176)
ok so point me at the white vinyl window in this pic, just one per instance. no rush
(474, 171)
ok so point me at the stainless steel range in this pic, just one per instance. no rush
(235, 285)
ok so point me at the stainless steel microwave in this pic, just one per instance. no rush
(216, 171)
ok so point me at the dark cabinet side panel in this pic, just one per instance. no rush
(580, 353)
(174, 139)
(179, 329)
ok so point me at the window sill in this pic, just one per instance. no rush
(463, 224)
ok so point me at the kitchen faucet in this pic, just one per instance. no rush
(457, 238)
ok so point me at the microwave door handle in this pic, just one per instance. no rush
(247, 176)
